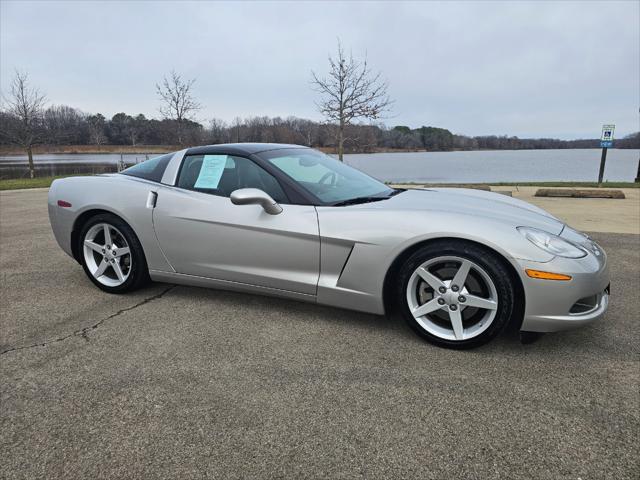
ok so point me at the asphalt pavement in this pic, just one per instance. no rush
(181, 382)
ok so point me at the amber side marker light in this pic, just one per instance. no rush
(547, 275)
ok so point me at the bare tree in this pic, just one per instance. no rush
(63, 125)
(177, 99)
(97, 124)
(237, 124)
(350, 92)
(218, 131)
(25, 109)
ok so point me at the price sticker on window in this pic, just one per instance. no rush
(211, 171)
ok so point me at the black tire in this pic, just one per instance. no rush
(485, 258)
(139, 274)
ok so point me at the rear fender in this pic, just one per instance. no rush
(120, 195)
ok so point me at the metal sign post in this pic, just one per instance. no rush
(606, 141)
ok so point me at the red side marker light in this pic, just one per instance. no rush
(62, 203)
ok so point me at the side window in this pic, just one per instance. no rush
(151, 169)
(222, 174)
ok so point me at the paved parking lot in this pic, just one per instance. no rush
(188, 383)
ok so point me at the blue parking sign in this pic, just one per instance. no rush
(606, 141)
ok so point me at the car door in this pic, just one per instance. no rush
(203, 234)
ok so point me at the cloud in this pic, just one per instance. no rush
(556, 69)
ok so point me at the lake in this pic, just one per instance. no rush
(498, 166)
(427, 167)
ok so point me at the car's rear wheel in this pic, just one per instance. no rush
(111, 254)
(456, 294)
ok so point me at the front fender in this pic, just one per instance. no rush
(376, 239)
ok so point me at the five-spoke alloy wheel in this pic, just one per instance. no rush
(456, 294)
(107, 254)
(111, 254)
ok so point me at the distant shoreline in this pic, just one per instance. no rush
(6, 150)
(142, 149)
(89, 149)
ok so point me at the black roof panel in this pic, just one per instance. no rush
(239, 148)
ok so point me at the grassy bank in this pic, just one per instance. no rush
(571, 184)
(531, 184)
(43, 182)
(96, 149)
(22, 183)
(89, 149)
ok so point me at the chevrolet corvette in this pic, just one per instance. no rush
(460, 265)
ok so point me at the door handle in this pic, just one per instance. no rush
(151, 200)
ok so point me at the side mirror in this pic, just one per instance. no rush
(255, 196)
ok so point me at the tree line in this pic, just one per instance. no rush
(64, 125)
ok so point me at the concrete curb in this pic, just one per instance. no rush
(37, 189)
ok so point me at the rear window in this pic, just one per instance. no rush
(151, 169)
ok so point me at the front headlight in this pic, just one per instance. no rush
(552, 244)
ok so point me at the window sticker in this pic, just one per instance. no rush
(211, 171)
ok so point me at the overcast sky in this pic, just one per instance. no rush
(557, 69)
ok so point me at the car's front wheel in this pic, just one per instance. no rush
(111, 254)
(456, 294)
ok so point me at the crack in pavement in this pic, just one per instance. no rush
(83, 332)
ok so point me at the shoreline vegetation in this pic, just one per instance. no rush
(89, 149)
(45, 182)
(10, 150)
(66, 130)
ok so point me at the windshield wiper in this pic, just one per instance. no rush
(370, 198)
(355, 201)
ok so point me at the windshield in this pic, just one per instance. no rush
(330, 180)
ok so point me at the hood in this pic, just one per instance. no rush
(477, 203)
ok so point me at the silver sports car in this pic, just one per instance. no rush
(460, 265)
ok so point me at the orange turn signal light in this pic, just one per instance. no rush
(547, 275)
